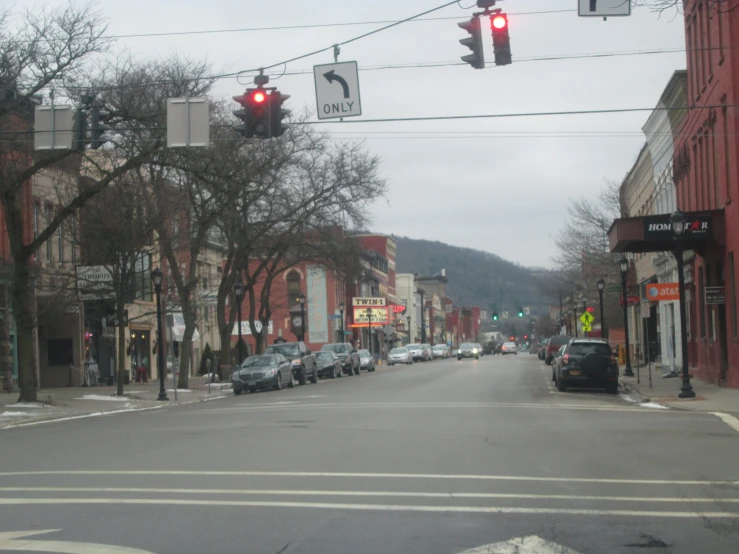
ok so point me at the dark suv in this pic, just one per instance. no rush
(303, 363)
(348, 356)
(587, 363)
(554, 344)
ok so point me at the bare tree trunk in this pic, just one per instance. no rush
(121, 369)
(186, 346)
(24, 309)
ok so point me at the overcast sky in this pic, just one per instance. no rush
(500, 185)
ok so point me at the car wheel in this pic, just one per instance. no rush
(548, 362)
(291, 383)
(373, 368)
(237, 392)
(612, 388)
(561, 386)
(278, 382)
(252, 391)
(554, 377)
(341, 372)
(333, 372)
(314, 376)
(301, 376)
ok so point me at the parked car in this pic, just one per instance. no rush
(347, 355)
(366, 360)
(554, 344)
(416, 352)
(269, 371)
(329, 364)
(509, 348)
(440, 351)
(302, 360)
(400, 355)
(556, 361)
(543, 348)
(590, 363)
(468, 350)
(427, 355)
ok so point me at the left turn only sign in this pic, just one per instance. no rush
(337, 90)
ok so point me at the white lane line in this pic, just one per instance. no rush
(730, 420)
(83, 416)
(372, 476)
(389, 494)
(365, 507)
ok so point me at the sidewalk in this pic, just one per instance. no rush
(78, 402)
(664, 391)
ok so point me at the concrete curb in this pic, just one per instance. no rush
(633, 393)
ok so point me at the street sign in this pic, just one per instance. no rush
(715, 295)
(646, 310)
(586, 328)
(527, 310)
(337, 90)
(505, 315)
(53, 126)
(334, 316)
(613, 288)
(631, 299)
(188, 122)
(604, 8)
(586, 318)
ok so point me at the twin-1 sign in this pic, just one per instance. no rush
(337, 90)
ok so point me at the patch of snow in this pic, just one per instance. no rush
(654, 405)
(29, 405)
(627, 398)
(17, 414)
(83, 416)
(101, 397)
(179, 390)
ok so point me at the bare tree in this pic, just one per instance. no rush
(724, 6)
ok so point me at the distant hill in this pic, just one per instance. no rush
(476, 278)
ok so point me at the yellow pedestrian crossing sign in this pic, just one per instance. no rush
(587, 319)
(586, 328)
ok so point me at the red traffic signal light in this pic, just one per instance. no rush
(512, 338)
(525, 336)
(591, 309)
(258, 97)
(500, 21)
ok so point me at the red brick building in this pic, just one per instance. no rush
(706, 175)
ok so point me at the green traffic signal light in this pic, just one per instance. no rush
(520, 312)
(495, 316)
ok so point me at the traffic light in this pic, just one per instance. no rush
(520, 312)
(526, 337)
(98, 117)
(277, 113)
(79, 131)
(255, 113)
(474, 42)
(501, 39)
(513, 338)
(495, 316)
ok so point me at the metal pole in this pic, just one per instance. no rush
(369, 328)
(628, 372)
(342, 326)
(602, 318)
(302, 321)
(561, 317)
(160, 351)
(423, 322)
(241, 353)
(686, 390)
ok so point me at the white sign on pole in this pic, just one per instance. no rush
(53, 127)
(527, 310)
(337, 90)
(604, 8)
(504, 315)
(188, 122)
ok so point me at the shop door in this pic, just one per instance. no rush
(140, 352)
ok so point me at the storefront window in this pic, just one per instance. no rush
(701, 307)
(732, 295)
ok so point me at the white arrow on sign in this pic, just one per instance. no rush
(10, 542)
(522, 545)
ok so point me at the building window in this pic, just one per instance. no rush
(205, 283)
(695, 57)
(293, 286)
(725, 117)
(36, 209)
(73, 241)
(706, 173)
(206, 314)
(701, 307)
(60, 242)
(732, 295)
(142, 277)
(701, 30)
(720, 34)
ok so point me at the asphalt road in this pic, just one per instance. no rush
(436, 458)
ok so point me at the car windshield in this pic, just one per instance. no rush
(399, 351)
(467, 345)
(559, 340)
(439, 347)
(290, 350)
(324, 355)
(259, 361)
(585, 348)
(414, 347)
(364, 354)
(340, 348)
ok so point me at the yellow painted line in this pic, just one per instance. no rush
(363, 507)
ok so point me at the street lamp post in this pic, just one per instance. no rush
(157, 276)
(677, 220)
(601, 286)
(623, 267)
(369, 329)
(423, 322)
(301, 301)
(341, 311)
(239, 294)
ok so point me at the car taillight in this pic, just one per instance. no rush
(566, 358)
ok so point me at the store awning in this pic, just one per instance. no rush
(178, 329)
(653, 233)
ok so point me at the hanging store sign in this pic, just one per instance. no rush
(662, 292)
(659, 227)
(715, 295)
